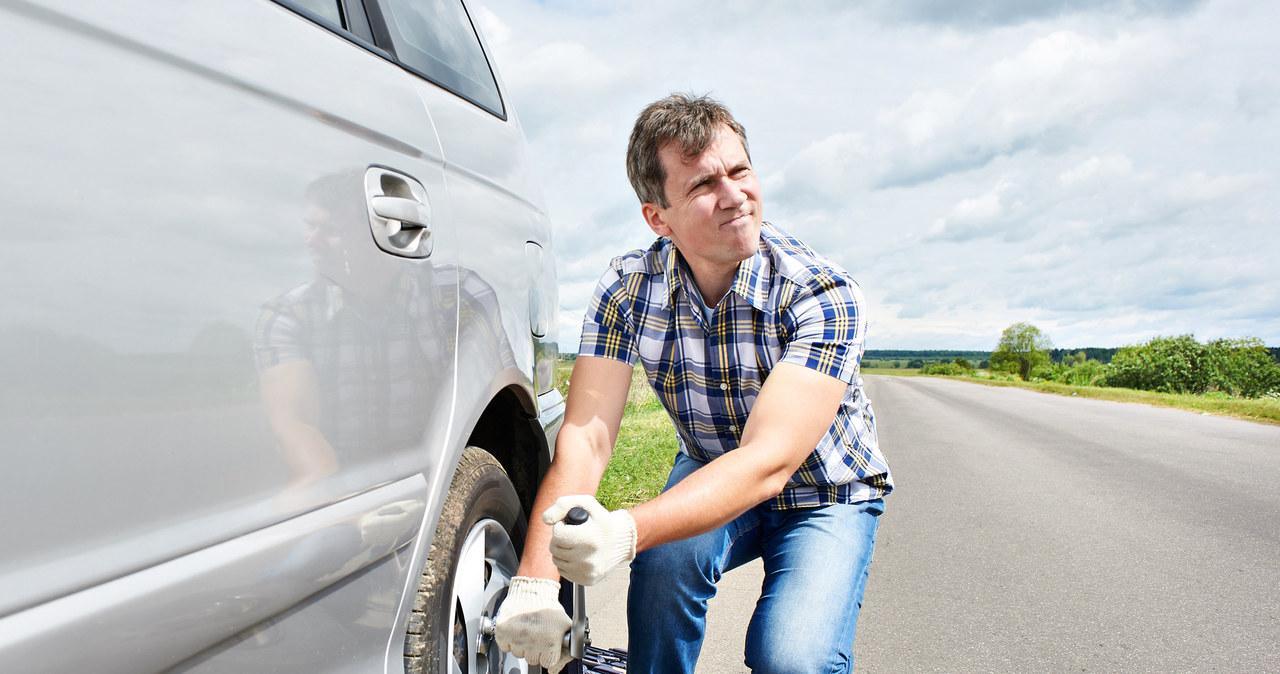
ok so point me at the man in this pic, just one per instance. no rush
(752, 341)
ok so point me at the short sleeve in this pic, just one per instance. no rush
(607, 328)
(277, 336)
(826, 324)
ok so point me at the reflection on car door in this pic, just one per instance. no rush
(206, 317)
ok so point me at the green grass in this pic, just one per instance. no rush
(1265, 410)
(645, 449)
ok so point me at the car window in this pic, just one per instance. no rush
(325, 9)
(436, 39)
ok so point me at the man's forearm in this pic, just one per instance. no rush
(793, 411)
(576, 469)
(710, 497)
(593, 412)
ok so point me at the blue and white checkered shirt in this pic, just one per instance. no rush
(787, 304)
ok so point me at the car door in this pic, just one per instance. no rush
(227, 340)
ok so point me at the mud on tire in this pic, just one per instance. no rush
(472, 558)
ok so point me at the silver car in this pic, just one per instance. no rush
(276, 337)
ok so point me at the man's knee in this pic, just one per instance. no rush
(678, 562)
(793, 653)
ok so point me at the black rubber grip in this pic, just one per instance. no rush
(576, 515)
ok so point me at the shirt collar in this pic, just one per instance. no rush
(335, 298)
(750, 282)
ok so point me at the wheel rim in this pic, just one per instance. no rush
(486, 564)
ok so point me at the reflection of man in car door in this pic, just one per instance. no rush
(350, 361)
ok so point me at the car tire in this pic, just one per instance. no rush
(473, 556)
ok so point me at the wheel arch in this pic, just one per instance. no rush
(510, 430)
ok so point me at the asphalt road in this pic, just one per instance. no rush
(1039, 533)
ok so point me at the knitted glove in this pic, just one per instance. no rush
(585, 553)
(531, 624)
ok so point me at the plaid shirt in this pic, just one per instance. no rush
(787, 304)
(376, 366)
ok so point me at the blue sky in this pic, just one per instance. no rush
(1104, 169)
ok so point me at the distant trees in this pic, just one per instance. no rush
(1021, 349)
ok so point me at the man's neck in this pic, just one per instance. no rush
(713, 284)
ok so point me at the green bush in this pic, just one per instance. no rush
(1243, 367)
(1088, 373)
(1240, 367)
(1166, 364)
(958, 368)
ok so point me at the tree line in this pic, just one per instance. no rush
(1243, 367)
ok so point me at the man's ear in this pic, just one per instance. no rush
(653, 217)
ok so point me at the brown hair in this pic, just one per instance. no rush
(689, 122)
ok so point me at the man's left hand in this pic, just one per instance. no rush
(585, 553)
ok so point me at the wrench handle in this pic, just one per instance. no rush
(576, 515)
(578, 638)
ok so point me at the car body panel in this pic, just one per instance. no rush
(184, 183)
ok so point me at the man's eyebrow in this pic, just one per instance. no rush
(700, 178)
(697, 180)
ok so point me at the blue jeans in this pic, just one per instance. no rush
(815, 563)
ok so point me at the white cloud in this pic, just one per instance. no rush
(1096, 169)
(977, 213)
(1259, 96)
(1049, 96)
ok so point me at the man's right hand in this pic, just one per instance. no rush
(531, 624)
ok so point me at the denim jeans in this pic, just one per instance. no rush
(815, 562)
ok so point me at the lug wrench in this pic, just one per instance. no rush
(579, 636)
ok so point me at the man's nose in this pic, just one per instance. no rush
(731, 195)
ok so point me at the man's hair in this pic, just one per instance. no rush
(688, 122)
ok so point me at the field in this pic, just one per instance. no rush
(645, 450)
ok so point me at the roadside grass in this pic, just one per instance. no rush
(645, 449)
(1265, 410)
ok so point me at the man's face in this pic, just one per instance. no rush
(715, 212)
(323, 241)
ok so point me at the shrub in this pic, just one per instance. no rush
(953, 369)
(1241, 367)
(1167, 364)
(1088, 373)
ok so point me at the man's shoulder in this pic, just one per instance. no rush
(796, 262)
(651, 261)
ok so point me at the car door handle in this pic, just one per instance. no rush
(408, 212)
(399, 212)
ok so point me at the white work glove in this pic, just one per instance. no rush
(531, 623)
(585, 553)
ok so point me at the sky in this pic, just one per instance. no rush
(1107, 170)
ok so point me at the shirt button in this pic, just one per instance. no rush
(724, 387)
(733, 429)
